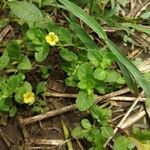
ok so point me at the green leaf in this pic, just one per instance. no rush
(85, 71)
(48, 2)
(85, 100)
(4, 60)
(78, 12)
(137, 61)
(100, 74)
(12, 111)
(138, 27)
(106, 131)
(101, 87)
(5, 93)
(96, 138)
(86, 124)
(63, 34)
(130, 66)
(13, 83)
(139, 145)
(132, 84)
(41, 103)
(146, 15)
(86, 84)
(70, 81)
(25, 87)
(4, 106)
(79, 132)
(21, 77)
(142, 135)
(25, 63)
(2, 80)
(121, 143)
(106, 62)
(40, 87)
(94, 56)
(147, 102)
(83, 36)
(42, 53)
(13, 50)
(34, 33)
(68, 55)
(113, 76)
(3, 22)
(26, 11)
(100, 114)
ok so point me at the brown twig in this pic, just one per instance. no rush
(25, 134)
(62, 95)
(46, 142)
(114, 119)
(133, 119)
(69, 108)
(5, 139)
(132, 5)
(142, 9)
(4, 32)
(126, 99)
(122, 120)
(48, 114)
(99, 98)
(113, 94)
(42, 148)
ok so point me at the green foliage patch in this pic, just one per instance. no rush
(89, 59)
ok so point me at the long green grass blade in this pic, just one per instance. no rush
(131, 82)
(78, 12)
(91, 22)
(130, 66)
(138, 27)
(83, 36)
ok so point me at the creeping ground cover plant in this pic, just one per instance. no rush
(90, 60)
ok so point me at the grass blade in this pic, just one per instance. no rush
(83, 36)
(90, 21)
(138, 27)
(130, 66)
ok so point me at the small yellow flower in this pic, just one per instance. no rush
(52, 38)
(28, 97)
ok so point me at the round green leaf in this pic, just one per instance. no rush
(106, 131)
(12, 111)
(84, 100)
(68, 55)
(13, 82)
(42, 53)
(40, 87)
(34, 33)
(100, 74)
(13, 50)
(25, 87)
(85, 71)
(86, 84)
(26, 11)
(86, 124)
(25, 63)
(4, 60)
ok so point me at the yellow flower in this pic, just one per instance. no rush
(28, 97)
(52, 38)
